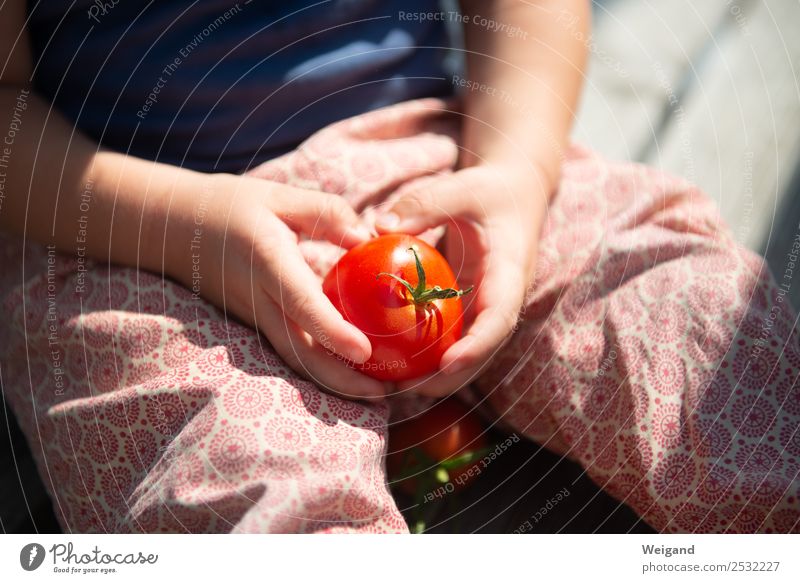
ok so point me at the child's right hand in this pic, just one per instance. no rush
(235, 243)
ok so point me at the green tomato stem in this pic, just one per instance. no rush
(422, 295)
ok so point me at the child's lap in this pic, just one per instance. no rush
(637, 333)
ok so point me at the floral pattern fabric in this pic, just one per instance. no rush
(653, 350)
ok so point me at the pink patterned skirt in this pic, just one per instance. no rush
(653, 350)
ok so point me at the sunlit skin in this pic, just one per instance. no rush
(493, 204)
(408, 335)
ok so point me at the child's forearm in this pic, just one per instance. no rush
(525, 62)
(60, 188)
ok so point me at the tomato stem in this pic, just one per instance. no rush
(422, 295)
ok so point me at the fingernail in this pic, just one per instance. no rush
(388, 221)
(358, 355)
(455, 366)
(458, 362)
(359, 231)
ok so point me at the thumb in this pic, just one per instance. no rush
(322, 216)
(436, 202)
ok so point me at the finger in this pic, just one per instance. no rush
(320, 216)
(306, 357)
(292, 284)
(436, 202)
(500, 297)
(440, 383)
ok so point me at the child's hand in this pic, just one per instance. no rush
(494, 216)
(235, 243)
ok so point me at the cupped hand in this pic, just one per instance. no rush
(238, 248)
(494, 216)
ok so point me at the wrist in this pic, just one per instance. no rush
(535, 154)
(528, 186)
(185, 218)
(542, 167)
(149, 207)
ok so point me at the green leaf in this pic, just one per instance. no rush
(465, 458)
(421, 283)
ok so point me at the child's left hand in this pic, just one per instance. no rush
(494, 215)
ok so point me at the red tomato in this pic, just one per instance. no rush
(446, 431)
(403, 295)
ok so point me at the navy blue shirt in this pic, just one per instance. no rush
(222, 86)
